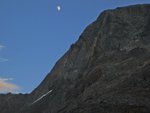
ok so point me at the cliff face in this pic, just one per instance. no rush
(106, 70)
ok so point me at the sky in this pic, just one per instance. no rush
(34, 34)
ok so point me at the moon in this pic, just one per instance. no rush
(58, 8)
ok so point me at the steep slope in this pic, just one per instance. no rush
(106, 71)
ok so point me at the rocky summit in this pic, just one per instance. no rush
(106, 71)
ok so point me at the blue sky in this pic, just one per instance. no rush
(34, 35)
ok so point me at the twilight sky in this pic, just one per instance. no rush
(34, 34)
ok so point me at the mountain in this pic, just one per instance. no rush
(107, 70)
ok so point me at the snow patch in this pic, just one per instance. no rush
(42, 97)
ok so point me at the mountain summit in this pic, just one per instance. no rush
(106, 71)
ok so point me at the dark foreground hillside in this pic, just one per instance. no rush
(106, 71)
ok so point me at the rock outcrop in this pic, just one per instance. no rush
(106, 71)
(12, 103)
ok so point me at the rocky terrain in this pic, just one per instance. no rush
(106, 71)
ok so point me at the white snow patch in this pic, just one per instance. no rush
(42, 96)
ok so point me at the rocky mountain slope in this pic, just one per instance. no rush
(106, 71)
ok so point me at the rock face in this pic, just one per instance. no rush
(12, 103)
(106, 71)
